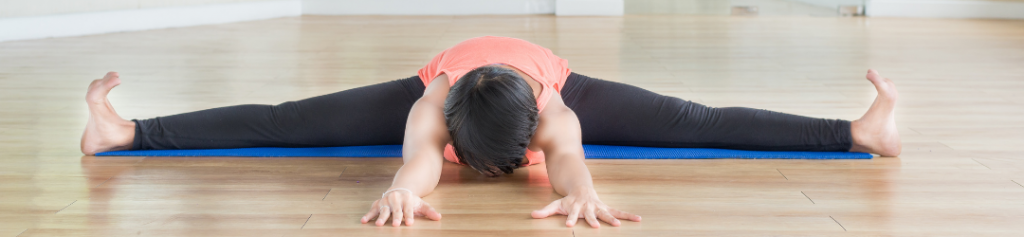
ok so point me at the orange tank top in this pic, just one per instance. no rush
(536, 61)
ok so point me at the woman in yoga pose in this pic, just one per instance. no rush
(494, 104)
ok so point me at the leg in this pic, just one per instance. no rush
(370, 115)
(612, 113)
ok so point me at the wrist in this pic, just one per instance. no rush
(390, 190)
(582, 190)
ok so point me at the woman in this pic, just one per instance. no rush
(490, 103)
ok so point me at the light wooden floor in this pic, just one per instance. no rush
(961, 115)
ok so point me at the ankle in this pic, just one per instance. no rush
(126, 132)
(857, 133)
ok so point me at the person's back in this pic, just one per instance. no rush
(534, 60)
(537, 62)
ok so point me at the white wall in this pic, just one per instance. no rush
(87, 23)
(25, 8)
(463, 7)
(832, 4)
(35, 19)
(590, 7)
(1004, 9)
(423, 7)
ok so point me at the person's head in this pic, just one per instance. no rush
(491, 116)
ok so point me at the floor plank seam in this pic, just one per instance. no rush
(307, 221)
(808, 197)
(104, 181)
(328, 193)
(944, 144)
(912, 129)
(22, 232)
(1014, 181)
(343, 171)
(837, 222)
(979, 162)
(66, 207)
(783, 175)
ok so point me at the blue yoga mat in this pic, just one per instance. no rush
(591, 152)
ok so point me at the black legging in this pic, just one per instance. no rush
(610, 113)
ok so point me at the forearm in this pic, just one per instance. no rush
(425, 137)
(418, 175)
(569, 174)
(560, 137)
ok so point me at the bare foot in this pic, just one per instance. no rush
(106, 131)
(875, 132)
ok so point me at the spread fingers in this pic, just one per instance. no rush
(385, 212)
(608, 217)
(591, 218)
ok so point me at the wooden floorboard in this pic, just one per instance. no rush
(960, 114)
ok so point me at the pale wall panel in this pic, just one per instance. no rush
(999, 9)
(25, 8)
(177, 3)
(99, 22)
(424, 7)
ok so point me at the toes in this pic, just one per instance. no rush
(111, 75)
(882, 84)
(872, 74)
(112, 79)
(875, 77)
(113, 82)
(99, 88)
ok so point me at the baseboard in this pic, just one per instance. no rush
(24, 28)
(946, 9)
(434, 7)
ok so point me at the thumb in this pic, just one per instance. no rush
(429, 212)
(547, 211)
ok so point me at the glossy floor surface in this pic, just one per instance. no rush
(960, 114)
(817, 8)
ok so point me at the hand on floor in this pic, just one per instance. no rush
(399, 204)
(584, 204)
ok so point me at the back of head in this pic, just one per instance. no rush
(491, 115)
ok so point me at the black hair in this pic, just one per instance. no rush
(491, 115)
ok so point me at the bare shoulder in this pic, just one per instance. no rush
(557, 114)
(426, 125)
(558, 127)
(437, 90)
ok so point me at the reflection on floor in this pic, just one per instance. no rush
(742, 7)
